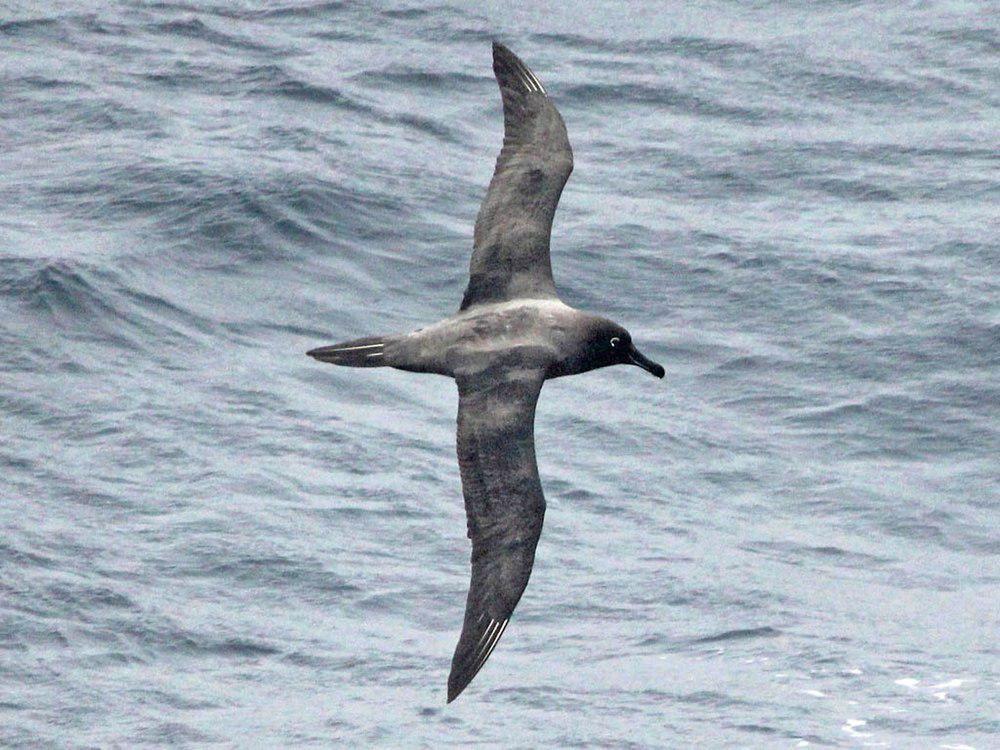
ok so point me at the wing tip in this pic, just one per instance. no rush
(511, 72)
(458, 681)
(501, 50)
(464, 672)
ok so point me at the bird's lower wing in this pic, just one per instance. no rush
(503, 502)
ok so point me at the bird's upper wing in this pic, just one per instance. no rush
(503, 502)
(510, 258)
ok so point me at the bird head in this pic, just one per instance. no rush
(610, 344)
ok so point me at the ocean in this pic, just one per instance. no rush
(207, 538)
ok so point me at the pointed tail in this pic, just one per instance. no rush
(367, 352)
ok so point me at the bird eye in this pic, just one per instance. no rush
(615, 341)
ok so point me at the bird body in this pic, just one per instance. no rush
(511, 334)
(545, 334)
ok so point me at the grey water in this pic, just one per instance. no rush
(206, 538)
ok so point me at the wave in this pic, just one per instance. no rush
(194, 28)
(740, 634)
(266, 80)
(89, 303)
(695, 47)
(407, 77)
(671, 98)
(308, 10)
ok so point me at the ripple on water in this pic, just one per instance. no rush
(787, 541)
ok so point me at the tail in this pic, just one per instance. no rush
(367, 352)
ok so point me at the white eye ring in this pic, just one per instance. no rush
(614, 341)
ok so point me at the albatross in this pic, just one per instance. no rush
(510, 335)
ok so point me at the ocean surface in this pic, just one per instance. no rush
(207, 538)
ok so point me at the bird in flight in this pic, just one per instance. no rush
(511, 334)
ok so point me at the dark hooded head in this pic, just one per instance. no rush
(606, 343)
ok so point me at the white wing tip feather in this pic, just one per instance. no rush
(488, 641)
(531, 82)
(356, 348)
(521, 71)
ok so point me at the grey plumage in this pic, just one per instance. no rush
(510, 335)
(510, 258)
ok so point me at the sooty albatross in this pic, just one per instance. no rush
(511, 333)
